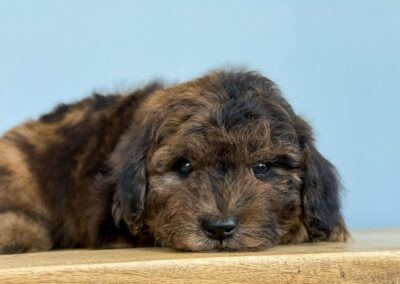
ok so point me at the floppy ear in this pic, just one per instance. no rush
(320, 193)
(130, 176)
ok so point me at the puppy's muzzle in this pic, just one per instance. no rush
(220, 229)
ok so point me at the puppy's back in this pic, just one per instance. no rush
(51, 194)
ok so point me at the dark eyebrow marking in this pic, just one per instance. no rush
(285, 161)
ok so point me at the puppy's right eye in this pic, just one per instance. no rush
(262, 171)
(183, 167)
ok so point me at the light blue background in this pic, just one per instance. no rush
(338, 63)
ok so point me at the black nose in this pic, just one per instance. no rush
(219, 229)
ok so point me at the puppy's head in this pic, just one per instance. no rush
(223, 162)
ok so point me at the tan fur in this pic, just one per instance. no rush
(19, 189)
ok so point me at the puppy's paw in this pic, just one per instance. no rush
(120, 215)
(23, 234)
(339, 233)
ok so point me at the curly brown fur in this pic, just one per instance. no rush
(103, 172)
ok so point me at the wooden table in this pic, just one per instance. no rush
(372, 256)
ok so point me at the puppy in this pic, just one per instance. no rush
(218, 163)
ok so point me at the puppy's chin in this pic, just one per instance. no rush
(198, 242)
(205, 244)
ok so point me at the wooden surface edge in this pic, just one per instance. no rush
(382, 266)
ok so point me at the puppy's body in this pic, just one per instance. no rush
(110, 171)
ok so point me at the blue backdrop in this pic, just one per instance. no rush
(338, 63)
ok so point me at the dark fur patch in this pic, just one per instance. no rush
(102, 101)
(4, 171)
(56, 115)
(239, 112)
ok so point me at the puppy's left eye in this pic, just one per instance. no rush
(261, 171)
(183, 167)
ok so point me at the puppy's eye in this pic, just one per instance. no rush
(261, 171)
(183, 167)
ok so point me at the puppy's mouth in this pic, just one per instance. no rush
(211, 245)
(196, 242)
(225, 246)
(231, 245)
(200, 242)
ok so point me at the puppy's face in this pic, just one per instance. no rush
(215, 185)
(219, 164)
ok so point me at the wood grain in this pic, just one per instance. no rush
(372, 256)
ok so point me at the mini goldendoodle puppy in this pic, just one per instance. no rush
(217, 163)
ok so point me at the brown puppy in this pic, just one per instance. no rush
(218, 163)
